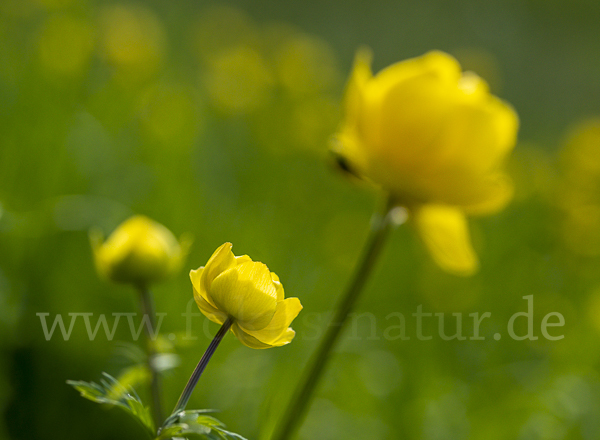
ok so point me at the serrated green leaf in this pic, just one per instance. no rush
(195, 417)
(185, 429)
(228, 434)
(111, 392)
(174, 418)
(131, 378)
(91, 391)
(194, 424)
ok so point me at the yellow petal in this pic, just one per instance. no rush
(438, 66)
(286, 312)
(347, 144)
(355, 90)
(211, 312)
(248, 340)
(506, 124)
(389, 118)
(445, 232)
(406, 127)
(477, 136)
(242, 259)
(434, 74)
(473, 86)
(407, 107)
(196, 278)
(278, 286)
(221, 260)
(498, 190)
(246, 293)
(456, 163)
(285, 338)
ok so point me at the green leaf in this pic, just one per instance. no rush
(195, 424)
(130, 378)
(111, 392)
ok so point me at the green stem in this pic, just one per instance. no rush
(295, 412)
(187, 391)
(148, 310)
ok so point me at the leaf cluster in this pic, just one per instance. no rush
(191, 424)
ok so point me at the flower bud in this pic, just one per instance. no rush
(140, 251)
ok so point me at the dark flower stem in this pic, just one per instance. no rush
(296, 410)
(187, 391)
(155, 388)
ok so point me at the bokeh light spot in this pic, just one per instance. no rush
(238, 80)
(66, 45)
(133, 38)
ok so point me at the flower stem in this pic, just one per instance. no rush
(148, 310)
(187, 391)
(295, 412)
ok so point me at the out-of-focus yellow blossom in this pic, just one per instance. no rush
(133, 39)
(140, 251)
(56, 4)
(578, 191)
(249, 294)
(66, 45)
(437, 140)
(221, 28)
(593, 309)
(532, 168)
(169, 114)
(238, 80)
(305, 65)
(283, 80)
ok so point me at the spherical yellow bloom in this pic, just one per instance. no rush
(436, 139)
(140, 251)
(249, 294)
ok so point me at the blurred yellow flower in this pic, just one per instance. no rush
(66, 45)
(238, 80)
(437, 140)
(169, 114)
(578, 190)
(140, 251)
(249, 294)
(133, 39)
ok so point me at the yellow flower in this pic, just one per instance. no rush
(139, 251)
(249, 294)
(437, 140)
(578, 191)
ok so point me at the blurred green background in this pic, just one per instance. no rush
(213, 118)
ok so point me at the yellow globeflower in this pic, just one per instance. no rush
(437, 140)
(249, 294)
(140, 251)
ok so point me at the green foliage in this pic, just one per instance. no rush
(194, 424)
(191, 424)
(111, 392)
(133, 376)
